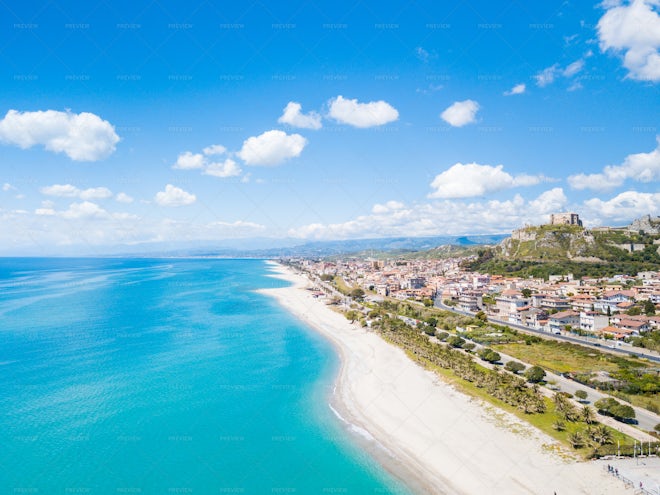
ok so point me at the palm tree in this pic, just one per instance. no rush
(576, 439)
(588, 415)
(601, 435)
(560, 402)
(564, 407)
(559, 425)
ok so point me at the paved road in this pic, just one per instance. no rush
(601, 345)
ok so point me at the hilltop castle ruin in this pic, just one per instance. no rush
(565, 219)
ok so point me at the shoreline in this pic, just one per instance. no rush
(425, 433)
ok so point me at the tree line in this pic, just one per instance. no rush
(508, 388)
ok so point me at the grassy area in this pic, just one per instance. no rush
(543, 422)
(652, 403)
(342, 286)
(491, 334)
(564, 357)
(420, 312)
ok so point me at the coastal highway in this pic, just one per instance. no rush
(601, 345)
(646, 420)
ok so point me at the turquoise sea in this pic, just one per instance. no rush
(165, 376)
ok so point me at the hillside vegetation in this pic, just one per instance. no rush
(562, 249)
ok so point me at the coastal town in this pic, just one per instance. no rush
(613, 308)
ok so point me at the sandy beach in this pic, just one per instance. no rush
(424, 431)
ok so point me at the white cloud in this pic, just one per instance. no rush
(82, 137)
(198, 161)
(547, 75)
(169, 230)
(424, 55)
(61, 190)
(70, 191)
(387, 207)
(189, 161)
(461, 113)
(123, 198)
(214, 149)
(623, 207)
(439, 218)
(597, 182)
(640, 167)
(551, 201)
(44, 212)
(575, 86)
(96, 193)
(293, 116)
(228, 168)
(362, 115)
(431, 88)
(471, 179)
(518, 89)
(85, 227)
(634, 30)
(271, 148)
(85, 209)
(8, 187)
(174, 196)
(574, 68)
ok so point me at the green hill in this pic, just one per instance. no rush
(561, 249)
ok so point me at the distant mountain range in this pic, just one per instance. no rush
(325, 248)
(271, 248)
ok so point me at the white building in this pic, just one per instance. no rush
(593, 321)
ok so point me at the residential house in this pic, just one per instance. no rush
(555, 303)
(508, 303)
(617, 296)
(382, 289)
(415, 283)
(470, 300)
(479, 280)
(593, 321)
(611, 301)
(655, 297)
(636, 326)
(582, 302)
(534, 318)
(615, 333)
(654, 322)
(537, 299)
(559, 321)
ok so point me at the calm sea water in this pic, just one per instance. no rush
(165, 376)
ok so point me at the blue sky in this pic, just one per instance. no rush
(124, 123)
